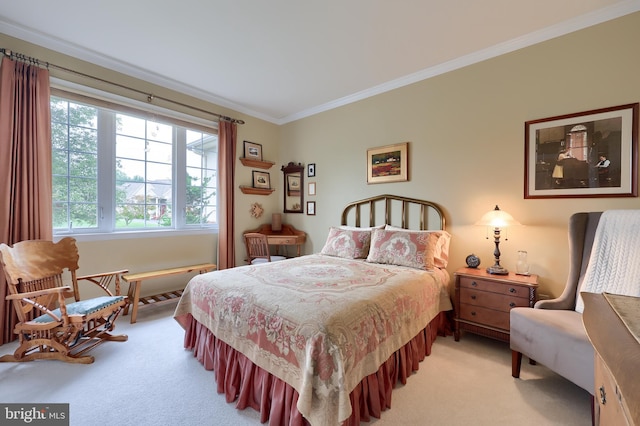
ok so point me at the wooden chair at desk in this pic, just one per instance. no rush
(258, 249)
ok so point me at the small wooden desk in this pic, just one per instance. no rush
(288, 236)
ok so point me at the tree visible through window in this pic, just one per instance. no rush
(115, 172)
(74, 131)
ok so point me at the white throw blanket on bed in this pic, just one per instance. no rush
(614, 265)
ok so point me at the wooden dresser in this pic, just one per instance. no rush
(613, 326)
(483, 301)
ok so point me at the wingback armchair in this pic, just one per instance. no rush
(552, 332)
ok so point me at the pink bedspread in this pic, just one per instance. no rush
(319, 323)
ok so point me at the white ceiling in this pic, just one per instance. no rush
(282, 60)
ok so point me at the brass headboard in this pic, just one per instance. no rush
(413, 213)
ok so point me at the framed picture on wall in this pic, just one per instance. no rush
(311, 208)
(261, 180)
(312, 188)
(388, 163)
(586, 154)
(311, 170)
(252, 150)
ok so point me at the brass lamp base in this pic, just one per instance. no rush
(497, 270)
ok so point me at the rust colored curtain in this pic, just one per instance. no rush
(226, 172)
(25, 165)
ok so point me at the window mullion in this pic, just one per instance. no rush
(106, 170)
(180, 177)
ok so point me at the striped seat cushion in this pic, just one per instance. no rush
(83, 307)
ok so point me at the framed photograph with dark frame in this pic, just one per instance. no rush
(388, 163)
(252, 150)
(311, 170)
(311, 208)
(261, 179)
(581, 155)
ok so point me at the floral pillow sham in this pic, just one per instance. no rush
(414, 249)
(347, 243)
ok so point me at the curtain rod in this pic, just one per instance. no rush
(150, 97)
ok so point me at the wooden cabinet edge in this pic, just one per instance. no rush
(256, 163)
(255, 191)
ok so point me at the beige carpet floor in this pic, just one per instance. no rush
(152, 380)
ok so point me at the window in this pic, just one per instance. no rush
(126, 170)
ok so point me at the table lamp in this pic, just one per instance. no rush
(497, 219)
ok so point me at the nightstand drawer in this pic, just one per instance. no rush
(485, 316)
(495, 287)
(500, 302)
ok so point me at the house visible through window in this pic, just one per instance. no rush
(123, 171)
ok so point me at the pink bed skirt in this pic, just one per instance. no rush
(251, 386)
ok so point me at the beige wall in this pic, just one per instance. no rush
(466, 134)
(465, 130)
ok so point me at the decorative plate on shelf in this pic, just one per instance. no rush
(473, 261)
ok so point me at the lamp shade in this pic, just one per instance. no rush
(497, 218)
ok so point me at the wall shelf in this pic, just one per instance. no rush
(256, 163)
(255, 191)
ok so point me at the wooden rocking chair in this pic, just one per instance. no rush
(49, 327)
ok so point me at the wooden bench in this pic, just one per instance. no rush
(135, 282)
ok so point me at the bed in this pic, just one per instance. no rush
(322, 339)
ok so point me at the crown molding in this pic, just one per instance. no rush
(87, 55)
(593, 18)
(575, 24)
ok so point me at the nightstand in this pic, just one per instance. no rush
(483, 301)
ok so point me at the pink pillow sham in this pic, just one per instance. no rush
(441, 253)
(414, 249)
(347, 243)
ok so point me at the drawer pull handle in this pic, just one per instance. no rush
(473, 297)
(474, 284)
(603, 395)
(473, 313)
(512, 290)
(512, 304)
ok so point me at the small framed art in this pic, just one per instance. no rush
(388, 163)
(312, 188)
(311, 208)
(252, 150)
(311, 170)
(261, 180)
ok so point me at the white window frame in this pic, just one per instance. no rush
(106, 183)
